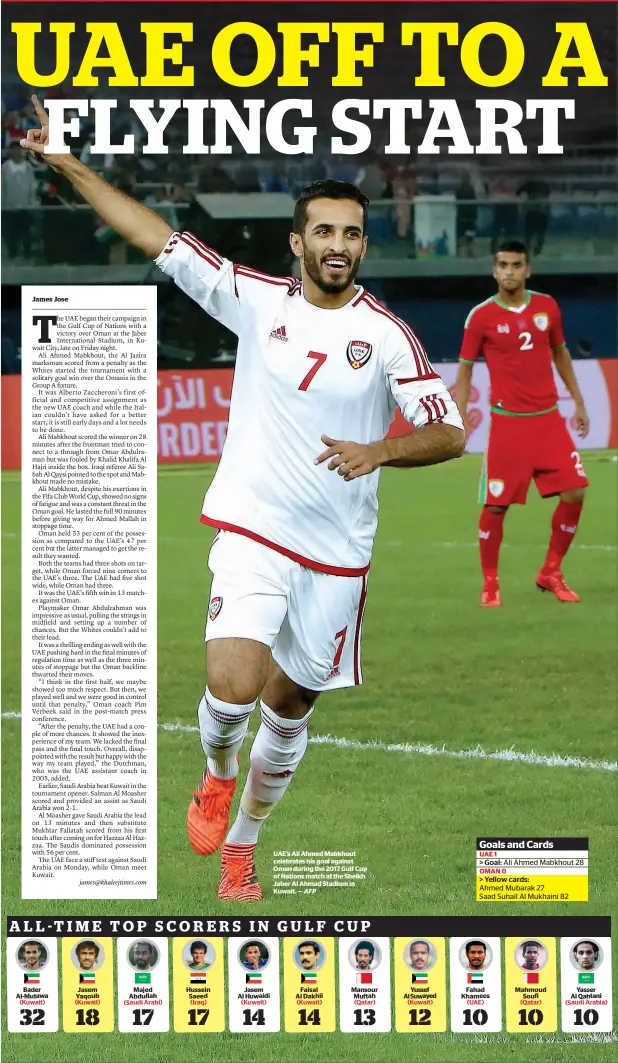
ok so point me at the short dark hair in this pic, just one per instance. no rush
(517, 246)
(531, 945)
(471, 943)
(327, 189)
(256, 945)
(88, 945)
(365, 945)
(198, 945)
(586, 942)
(312, 944)
(147, 944)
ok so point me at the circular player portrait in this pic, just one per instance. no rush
(531, 955)
(475, 955)
(88, 955)
(31, 955)
(198, 955)
(364, 955)
(253, 955)
(420, 955)
(142, 955)
(586, 955)
(309, 955)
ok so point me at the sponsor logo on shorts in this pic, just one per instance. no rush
(541, 321)
(358, 353)
(215, 607)
(334, 672)
(496, 487)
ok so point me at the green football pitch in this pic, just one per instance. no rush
(504, 719)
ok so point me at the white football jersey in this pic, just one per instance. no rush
(303, 372)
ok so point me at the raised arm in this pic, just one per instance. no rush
(137, 224)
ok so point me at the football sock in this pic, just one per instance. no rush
(275, 755)
(490, 537)
(563, 527)
(222, 729)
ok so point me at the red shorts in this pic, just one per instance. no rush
(522, 449)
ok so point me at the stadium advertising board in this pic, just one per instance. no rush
(210, 212)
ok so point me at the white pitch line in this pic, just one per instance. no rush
(553, 760)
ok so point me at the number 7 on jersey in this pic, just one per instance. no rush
(319, 362)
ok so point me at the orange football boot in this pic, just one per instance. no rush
(552, 580)
(208, 816)
(491, 592)
(238, 875)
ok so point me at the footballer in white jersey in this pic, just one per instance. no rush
(321, 367)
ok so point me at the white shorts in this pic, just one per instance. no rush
(310, 620)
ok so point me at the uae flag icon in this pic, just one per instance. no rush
(476, 978)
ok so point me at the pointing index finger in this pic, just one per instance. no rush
(41, 112)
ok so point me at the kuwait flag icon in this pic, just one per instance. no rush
(142, 978)
(532, 978)
(366, 978)
(475, 978)
(32, 979)
(420, 979)
(198, 978)
(585, 979)
(255, 978)
(87, 979)
(311, 978)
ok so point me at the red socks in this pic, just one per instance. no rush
(563, 527)
(490, 537)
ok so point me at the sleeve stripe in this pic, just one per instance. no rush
(423, 366)
(435, 408)
(201, 250)
(204, 247)
(416, 379)
(266, 278)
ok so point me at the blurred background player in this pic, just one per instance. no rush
(295, 541)
(519, 333)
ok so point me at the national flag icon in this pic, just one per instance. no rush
(365, 978)
(532, 978)
(142, 978)
(198, 978)
(585, 979)
(476, 977)
(311, 978)
(87, 979)
(420, 979)
(255, 978)
(32, 979)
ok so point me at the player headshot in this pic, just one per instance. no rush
(294, 497)
(532, 953)
(309, 955)
(87, 954)
(364, 954)
(254, 955)
(32, 956)
(143, 955)
(519, 334)
(419, 955)
(586, 955)
(198, 951)
(476, 955)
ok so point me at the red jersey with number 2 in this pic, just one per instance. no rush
(517, 346)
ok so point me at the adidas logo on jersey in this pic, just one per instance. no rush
(279, 334)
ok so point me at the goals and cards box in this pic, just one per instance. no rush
(531, 869)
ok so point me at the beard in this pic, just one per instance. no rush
(334, 284)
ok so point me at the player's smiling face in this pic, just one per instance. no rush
(332, 245)
(32, 955)
(511, 270)
(198, 955)
(87, 958)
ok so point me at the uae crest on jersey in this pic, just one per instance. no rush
(541, 321)
(215, 607)
(358, 353)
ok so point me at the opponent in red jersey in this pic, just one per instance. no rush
(519, 333)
